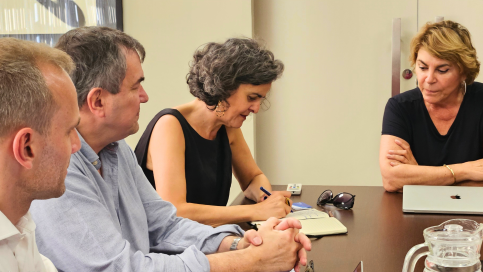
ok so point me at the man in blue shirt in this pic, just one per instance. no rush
(111, 218)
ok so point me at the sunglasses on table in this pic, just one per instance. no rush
(341, 200)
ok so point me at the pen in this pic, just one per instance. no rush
(287, 201)
(265, 191)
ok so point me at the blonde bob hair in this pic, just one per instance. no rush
(449, 41)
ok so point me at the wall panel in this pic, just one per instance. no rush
(324, 123)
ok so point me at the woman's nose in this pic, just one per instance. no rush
(255, 108)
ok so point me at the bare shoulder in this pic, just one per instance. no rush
(234, 134)
(168, 128)
(167, 137)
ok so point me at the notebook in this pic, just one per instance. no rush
(315, 222)
(442, 199)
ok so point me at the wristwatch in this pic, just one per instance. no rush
(234, 244)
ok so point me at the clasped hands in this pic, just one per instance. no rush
(279, 244)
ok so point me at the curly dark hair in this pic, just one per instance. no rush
(218, 69)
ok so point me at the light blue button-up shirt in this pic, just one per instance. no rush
(117, 221)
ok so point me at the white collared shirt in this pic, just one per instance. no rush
(18, 250)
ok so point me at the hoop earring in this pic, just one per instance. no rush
(219, 112)
(464, 83)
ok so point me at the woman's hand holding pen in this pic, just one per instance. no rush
(273, 206)
(286, 194)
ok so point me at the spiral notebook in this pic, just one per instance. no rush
(314, 223)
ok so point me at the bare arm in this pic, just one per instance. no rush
(246, 170)
(167, 153)
(398, 168)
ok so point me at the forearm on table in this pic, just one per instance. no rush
(216, 215)
(394, 178)
(235, 261)
(253, 191)
(226, 243)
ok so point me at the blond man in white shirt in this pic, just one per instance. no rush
(38, 116)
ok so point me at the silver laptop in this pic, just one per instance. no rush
(442, 199)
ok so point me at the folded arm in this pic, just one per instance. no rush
(399, 168)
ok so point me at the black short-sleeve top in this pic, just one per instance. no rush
(407, 117)
(207, 162)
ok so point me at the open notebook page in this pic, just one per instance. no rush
(301, 215)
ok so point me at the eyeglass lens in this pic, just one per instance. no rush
(325, 197)
(341, 200)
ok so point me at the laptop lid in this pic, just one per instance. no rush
(442, 199)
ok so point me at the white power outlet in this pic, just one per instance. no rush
(295, 188)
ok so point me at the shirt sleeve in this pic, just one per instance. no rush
(171, 237)
(76, 232)
(395, 121)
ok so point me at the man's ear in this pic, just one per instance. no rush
(23, 149)
(96, 101)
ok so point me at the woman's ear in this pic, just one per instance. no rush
(25, 147)
(96, 101)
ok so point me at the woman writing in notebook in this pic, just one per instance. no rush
(433, 134)
(188, 152)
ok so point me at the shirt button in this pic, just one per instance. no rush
(94, 163)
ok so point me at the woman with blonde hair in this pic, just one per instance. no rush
(433, 134)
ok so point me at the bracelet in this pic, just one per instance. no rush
(451, 172)
(234, 244)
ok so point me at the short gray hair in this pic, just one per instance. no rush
(25, 99)
(218, 69)
(99, 58)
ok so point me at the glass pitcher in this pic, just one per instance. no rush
(453, 246)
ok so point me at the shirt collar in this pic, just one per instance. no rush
(91, 155)
(7, 229)
(26, 223)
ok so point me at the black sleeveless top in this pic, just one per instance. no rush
(207, 162)
(407, 117)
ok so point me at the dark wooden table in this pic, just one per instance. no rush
(379, 233)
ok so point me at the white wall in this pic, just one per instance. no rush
(465, 12)
(324, 124)
(170, 31)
